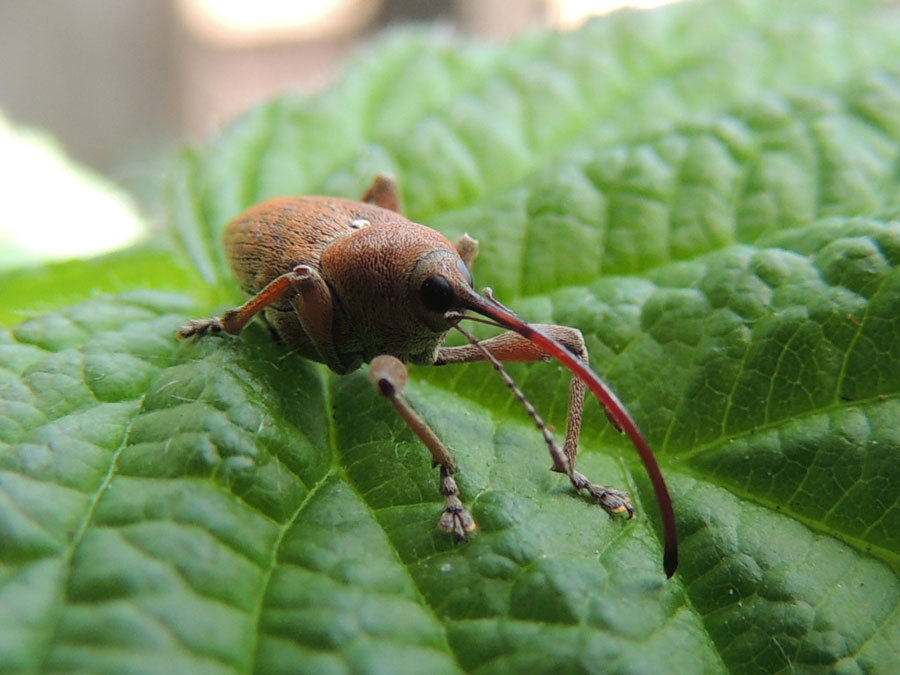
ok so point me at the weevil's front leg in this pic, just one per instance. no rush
(510, 346)
(234, 320)
(312, 301)
(389, 376)
(384, 192)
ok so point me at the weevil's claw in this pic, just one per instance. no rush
(200, 327)
(614, 501)
(456, 519)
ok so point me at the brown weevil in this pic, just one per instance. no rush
(346, 283)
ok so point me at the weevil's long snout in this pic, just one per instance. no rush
(489, 307)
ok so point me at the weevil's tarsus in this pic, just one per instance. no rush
(199, 327)
(389, 376)
(614, 501)
(456, 518)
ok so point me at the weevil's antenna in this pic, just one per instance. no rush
(560, 461)
(491, 308)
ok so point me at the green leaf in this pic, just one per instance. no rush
(708, 192)
(27, 291)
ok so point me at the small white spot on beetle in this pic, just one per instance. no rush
(359, 223)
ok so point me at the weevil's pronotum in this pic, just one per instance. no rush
(346, 283)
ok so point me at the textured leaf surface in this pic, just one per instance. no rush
(710, 193)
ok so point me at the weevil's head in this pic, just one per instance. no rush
(440, 288)
(399, 286)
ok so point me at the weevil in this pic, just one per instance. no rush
(347, 282)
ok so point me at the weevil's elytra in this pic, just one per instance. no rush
(346, 282)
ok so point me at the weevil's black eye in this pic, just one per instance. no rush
(437, 293)
(465, 271)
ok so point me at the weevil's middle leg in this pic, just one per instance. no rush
(384, 192)
(511, 346)
(467, 247)
(389, 376)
